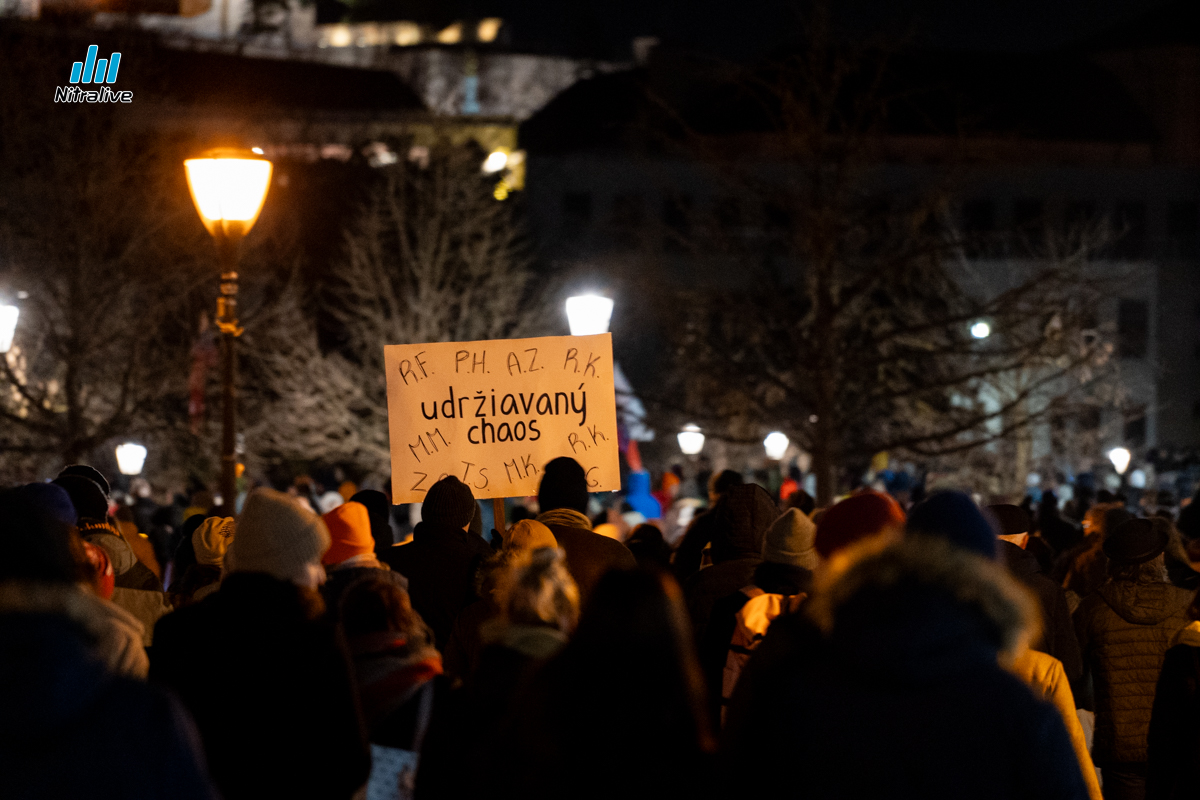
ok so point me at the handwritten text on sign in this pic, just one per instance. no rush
(493, 413)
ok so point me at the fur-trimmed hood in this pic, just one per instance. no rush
(924, 609)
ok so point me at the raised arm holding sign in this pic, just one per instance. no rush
(493, 413)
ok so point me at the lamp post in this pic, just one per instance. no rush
(8, 326)
(589, 314)
(131, 458)
(228, 186)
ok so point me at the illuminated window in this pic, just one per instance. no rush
(407, 33)
(452, 34)
(338, 36)
(488, 29)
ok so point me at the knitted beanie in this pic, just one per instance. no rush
(91, 473)
(350, 532)
(212, 539)
(564, 485)
(955, 517)
(86, 495)
(860, 516)
(529, 534)
(449, 503)
(51, 499)
(790, 540)
(276, 536)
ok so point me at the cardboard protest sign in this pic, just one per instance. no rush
(494, 413)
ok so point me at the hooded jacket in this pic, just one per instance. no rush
(905, 696)
(1174, 738)
(137, 589)
(1124, 632)
(71, 728)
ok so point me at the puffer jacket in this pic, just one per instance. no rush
(1124, 631)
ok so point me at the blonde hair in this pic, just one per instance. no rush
(535, 588)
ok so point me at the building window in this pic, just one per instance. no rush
(1129, 230)
(1133, 328)
(577, 207)
(1182, 228)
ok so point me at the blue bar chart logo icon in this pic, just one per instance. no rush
(93, 70)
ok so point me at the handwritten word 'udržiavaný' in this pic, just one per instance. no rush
(520, 404)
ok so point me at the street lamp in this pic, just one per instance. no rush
(691, 440)
(776, 445)
(981, 330)
(228, 186)
(1119, 457)
(588, 314)
(8, 326)
(131, 458)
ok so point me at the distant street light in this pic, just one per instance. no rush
(228, 187)
(496, 161)
(589, 314)
(691, 440)
(776, 444)
(1119, 457)
(8, 326)
(131, 458)
(981, 330)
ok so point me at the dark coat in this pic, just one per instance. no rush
(440, 564)
(590, 555)
(905, 697)
(68, 728)
(734, 527)
(270, 689)
(1124, 631)
(1058, 632)
(1174, 738)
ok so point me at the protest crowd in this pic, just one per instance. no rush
(763, 647)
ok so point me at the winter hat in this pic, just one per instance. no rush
(449, 503)
(1013, 520)
(91, 473)
(954, 517)
(742, 515)
(564, 485)
(86, 495)
(529, 534)
(1114, 518)
(790, 541)
(860, 516)
(329, 501)
(1135, 541)
(379, 509)
(276, 536)
(211, 540)
(52, 500)
(350, 531)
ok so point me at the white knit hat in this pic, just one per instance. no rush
(276, 536)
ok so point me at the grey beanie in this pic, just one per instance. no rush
(276, 536)
(791, 539)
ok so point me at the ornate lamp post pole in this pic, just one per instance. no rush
(229, 187)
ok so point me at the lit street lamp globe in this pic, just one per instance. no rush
(8, 326)
(1119, 457)
(131, 458)
(981, 330)
(691, 440)
(589, 314)
(228, 186)
(776, 444)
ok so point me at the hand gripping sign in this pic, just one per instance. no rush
(493, 413)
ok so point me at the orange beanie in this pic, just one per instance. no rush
(350, 529)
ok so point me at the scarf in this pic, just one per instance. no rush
(567, 517)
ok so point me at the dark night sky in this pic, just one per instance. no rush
(747, 28)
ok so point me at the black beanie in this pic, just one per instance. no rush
(953, 516)
(91, 473)
(564, 485)
(86, 495)
(449, 502)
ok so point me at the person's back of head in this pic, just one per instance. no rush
(449, 503)
(563, 485)
(91, 473)
(791, 540)
(277, 537)
(954, 517)
(350, 535)
(648, 547)
(38, 545)
(536, 589)
(379, 604)
(379, 511)
(1014, 523)
(1135, 551)
(743, 515)
(802, 501)
(88, 498)
(720, 483)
